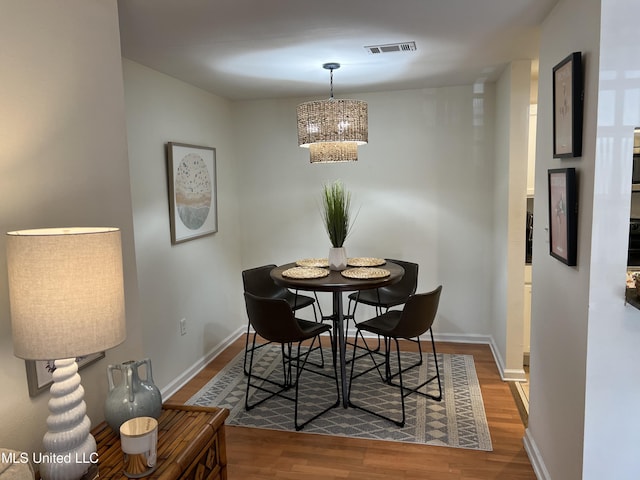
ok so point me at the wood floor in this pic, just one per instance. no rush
(263, 454)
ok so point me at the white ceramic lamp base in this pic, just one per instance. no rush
(70, 447)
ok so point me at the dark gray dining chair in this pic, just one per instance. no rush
(275, 321)
(415, 319)
(258, 281)
(384, 298)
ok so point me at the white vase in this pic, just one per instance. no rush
(337, 258)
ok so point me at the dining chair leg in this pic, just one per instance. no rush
(295, 407)
(321, 363)
(334, 349)
(299, 369)
(383, 377)
(369, 352)
(250, 385)
(436, 376)
(246, 347)
(387, 358)
(351, 315)
(402, 394)
(323, 317)
(315, 316)
(435, 359)
(289, 365)
(414, 365)
(285, 356)
(246, 395)
(319, 347)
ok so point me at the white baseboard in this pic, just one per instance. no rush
(450, 337)
(507, 375)
(535, 458)
(192, 371)
(514, 375)
(481, 339)
(463, 338)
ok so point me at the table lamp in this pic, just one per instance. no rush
(67, 300)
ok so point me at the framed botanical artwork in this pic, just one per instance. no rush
(568, 97)
(40, 372)
(192, 191)
(563, 215)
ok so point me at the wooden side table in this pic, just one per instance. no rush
(191, 445)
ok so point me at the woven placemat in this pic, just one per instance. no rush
(313, 262)
(363, 273)
(305, 272)
(365, 262)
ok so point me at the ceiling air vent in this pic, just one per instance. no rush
(392, 47)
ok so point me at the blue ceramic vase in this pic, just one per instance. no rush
(132, 396)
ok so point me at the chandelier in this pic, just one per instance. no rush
(332, 129)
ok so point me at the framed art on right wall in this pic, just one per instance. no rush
(563, 215)
(568, 97)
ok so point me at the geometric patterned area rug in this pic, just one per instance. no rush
(458, 420)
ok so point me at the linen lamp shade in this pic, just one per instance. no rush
(66, 291)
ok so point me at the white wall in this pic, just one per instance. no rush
(63, 163)
(517, 211)
(501, 213)
(611, 403)
(560, 298)
(200, 279)
(509, 206)
(583, 419)
(423, 187)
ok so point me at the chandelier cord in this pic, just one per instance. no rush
(331, 81)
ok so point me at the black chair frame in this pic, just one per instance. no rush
(257, 281)
(396, 294)
(255, 346)
(297, 358)
(409, 283)
(383, 367)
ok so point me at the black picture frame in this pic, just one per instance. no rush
(568, 99)
(563, 215)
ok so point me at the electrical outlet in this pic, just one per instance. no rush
(183, 326)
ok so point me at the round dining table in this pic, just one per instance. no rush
(336, 283)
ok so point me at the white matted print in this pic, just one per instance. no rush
(192, 191)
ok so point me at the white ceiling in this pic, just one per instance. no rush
(251, 49)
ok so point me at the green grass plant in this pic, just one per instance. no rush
(336, 212)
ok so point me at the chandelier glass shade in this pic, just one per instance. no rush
(332, 129)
